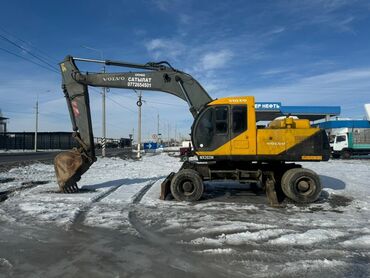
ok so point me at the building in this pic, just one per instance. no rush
(3, 122)
(341, 126)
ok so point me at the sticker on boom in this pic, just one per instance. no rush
(311, 157)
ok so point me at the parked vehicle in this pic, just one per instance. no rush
(356, 142)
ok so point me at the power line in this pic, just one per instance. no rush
(28, 60)
(29, 52)
(165, 103)
(117, 103)
(42, 53)
(120, 105)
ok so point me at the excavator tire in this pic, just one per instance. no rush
(187, 185)
(301, 185)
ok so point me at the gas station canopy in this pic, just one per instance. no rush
(267, 111)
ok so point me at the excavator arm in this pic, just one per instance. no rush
(71, 165)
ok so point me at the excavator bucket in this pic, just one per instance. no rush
(69, 166)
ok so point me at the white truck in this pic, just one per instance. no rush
(353, 142)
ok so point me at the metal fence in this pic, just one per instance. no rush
(45, 140)
(51, 140)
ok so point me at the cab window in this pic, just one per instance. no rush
(239, 123)
(341, 138)
(221, 119)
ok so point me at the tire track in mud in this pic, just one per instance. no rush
(178, 258)
(80, 215)
(4, 195)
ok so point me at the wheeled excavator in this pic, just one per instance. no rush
(226, 139)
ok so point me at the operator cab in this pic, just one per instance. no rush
(220, 122)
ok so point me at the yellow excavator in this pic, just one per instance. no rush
(226, 139)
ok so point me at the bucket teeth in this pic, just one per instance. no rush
(71, 188)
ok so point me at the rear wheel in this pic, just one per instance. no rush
(301, 185)
(187, 185)
(346, 154)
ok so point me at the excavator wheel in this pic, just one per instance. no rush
(301, 185)
(187, 185)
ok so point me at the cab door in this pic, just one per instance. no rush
(341, 142)
(210, 133)
(242, 131)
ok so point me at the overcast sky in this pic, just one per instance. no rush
(304, 52)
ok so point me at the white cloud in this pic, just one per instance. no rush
(215, 60)
(165, 48)
(333, 14)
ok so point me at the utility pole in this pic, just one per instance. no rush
(104, 133)
(139, 104)
(158, 128)
(37, 121)
(175, 133)
(168, 134)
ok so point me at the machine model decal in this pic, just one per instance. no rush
(275, 143)
(208, 157)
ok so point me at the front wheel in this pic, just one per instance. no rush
(346, 154)
(301, 185)
(187, 185)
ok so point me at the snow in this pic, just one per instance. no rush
(217, 251)
(43, 203)
(27, 151)
(240, 238)
(235, 228)
(307, 238)
(309, 265)
(359, 242)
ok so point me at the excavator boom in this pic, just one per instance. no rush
(70, 165)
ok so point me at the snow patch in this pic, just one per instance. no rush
(307, 238)
(359, 242)
(216, 251)
(227, 227)
(305, 266)
(240, 238)
(4, 263)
